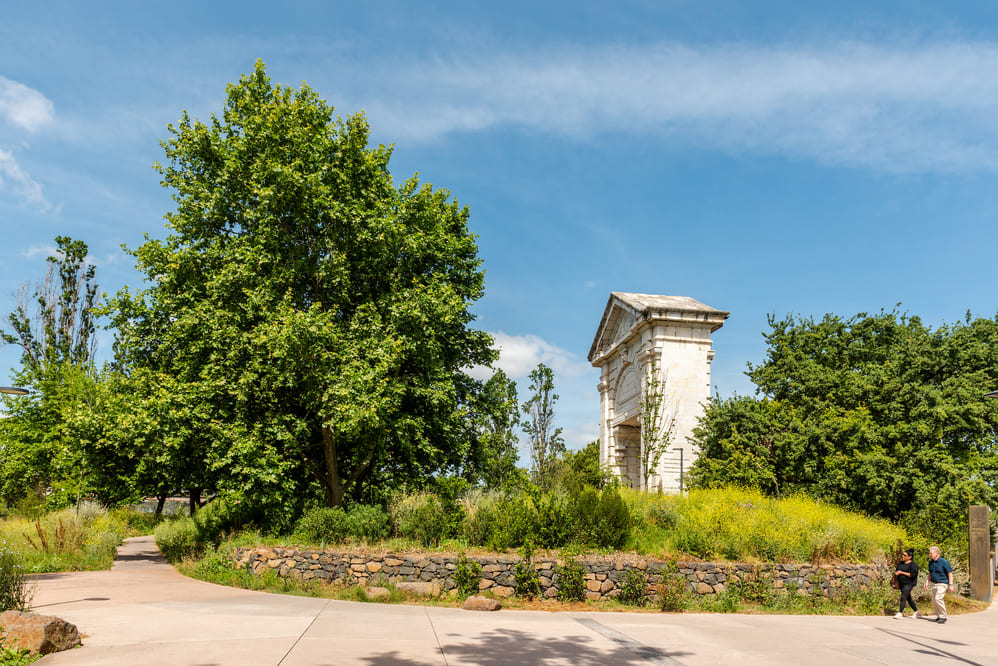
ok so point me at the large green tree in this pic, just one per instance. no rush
(879, 413)
(315, 316)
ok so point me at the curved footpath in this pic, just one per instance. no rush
(143, 612)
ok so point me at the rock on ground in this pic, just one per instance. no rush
(478, 603)
(39, 634)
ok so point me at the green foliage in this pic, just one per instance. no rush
(545, 440)
(11, 655)
(527, 581)
(570, 580)
(672, 593)
(421, 517)
(322, 525)
(581, 469)
(191, 536)
(467, 576)
(634, 588)
(495, 417)
(15, 591)
(739, 524)
(368, 522)
(54, 327)
(602, 519)
(878, 413)
(305, 326)
(657, 423)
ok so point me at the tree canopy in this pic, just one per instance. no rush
(879, 413)
(314, 318)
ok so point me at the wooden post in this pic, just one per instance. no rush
(980, 552)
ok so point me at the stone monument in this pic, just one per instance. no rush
(652, 342)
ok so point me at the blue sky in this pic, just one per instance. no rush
(766, 157)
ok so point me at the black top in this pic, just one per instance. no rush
(908, 567)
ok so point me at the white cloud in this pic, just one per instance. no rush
(12, 176)
(908, 108)
(43, 250)
(519, 354)
(23, 106)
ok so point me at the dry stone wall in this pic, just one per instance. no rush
(603, 578)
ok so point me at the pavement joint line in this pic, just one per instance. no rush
(304, 631)
(440, 647)
(646, 652)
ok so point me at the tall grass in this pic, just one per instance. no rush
(70, 540)
(739, 524)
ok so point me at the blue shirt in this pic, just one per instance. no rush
(938, 570)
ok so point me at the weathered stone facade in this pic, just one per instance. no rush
(667, 338)
(603, 578)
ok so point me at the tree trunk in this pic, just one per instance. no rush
(195, 500)
(161, 502)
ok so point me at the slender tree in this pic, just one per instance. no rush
(545, 439)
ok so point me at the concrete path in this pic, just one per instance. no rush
(143, 612)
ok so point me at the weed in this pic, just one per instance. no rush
(528, 584)
(467, 576)
(570, 579)
(634, 588)
(672, 592)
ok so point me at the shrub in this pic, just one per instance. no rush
(602, 519)
(514, 522)
(555, 520)
(634, 587)
(367, 522)
(191, 536)
(672, 591)
(322, 525)
(528, 584)
(15, 593)
(420, 516)
(570, 579)
(467, 576)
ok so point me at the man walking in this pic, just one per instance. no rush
(941, 580)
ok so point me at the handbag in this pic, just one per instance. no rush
(894, 582)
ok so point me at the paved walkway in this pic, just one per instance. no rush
(143, 612)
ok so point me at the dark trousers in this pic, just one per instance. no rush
(906, 598)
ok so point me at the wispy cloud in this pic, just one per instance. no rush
(519, 354)
(23, 106)
(13, 177)
(907, 108)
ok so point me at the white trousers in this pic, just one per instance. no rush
(939, 598)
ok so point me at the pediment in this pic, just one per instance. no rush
(625, 311)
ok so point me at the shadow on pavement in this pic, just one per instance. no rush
(508, 646)
(929, 649)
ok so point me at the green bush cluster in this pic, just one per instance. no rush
(593, 518)
(192, 536)
(324, 524)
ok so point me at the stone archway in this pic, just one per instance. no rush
(639, 333)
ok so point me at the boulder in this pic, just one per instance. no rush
(478, 603)
(39, 634)
(423, 589)
(376, 592)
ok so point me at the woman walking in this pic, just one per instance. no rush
(906, 574)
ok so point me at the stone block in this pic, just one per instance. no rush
(375, 592)
(704, 588)
(393, 562)
(485, 584)
(551, 592)
(422, 589)
(39, 634)
(593, 596)
(374, 567)
(479, 603)
(503, 591)
(606, 586)
(593, 585)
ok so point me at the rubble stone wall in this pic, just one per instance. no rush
(603, 578)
